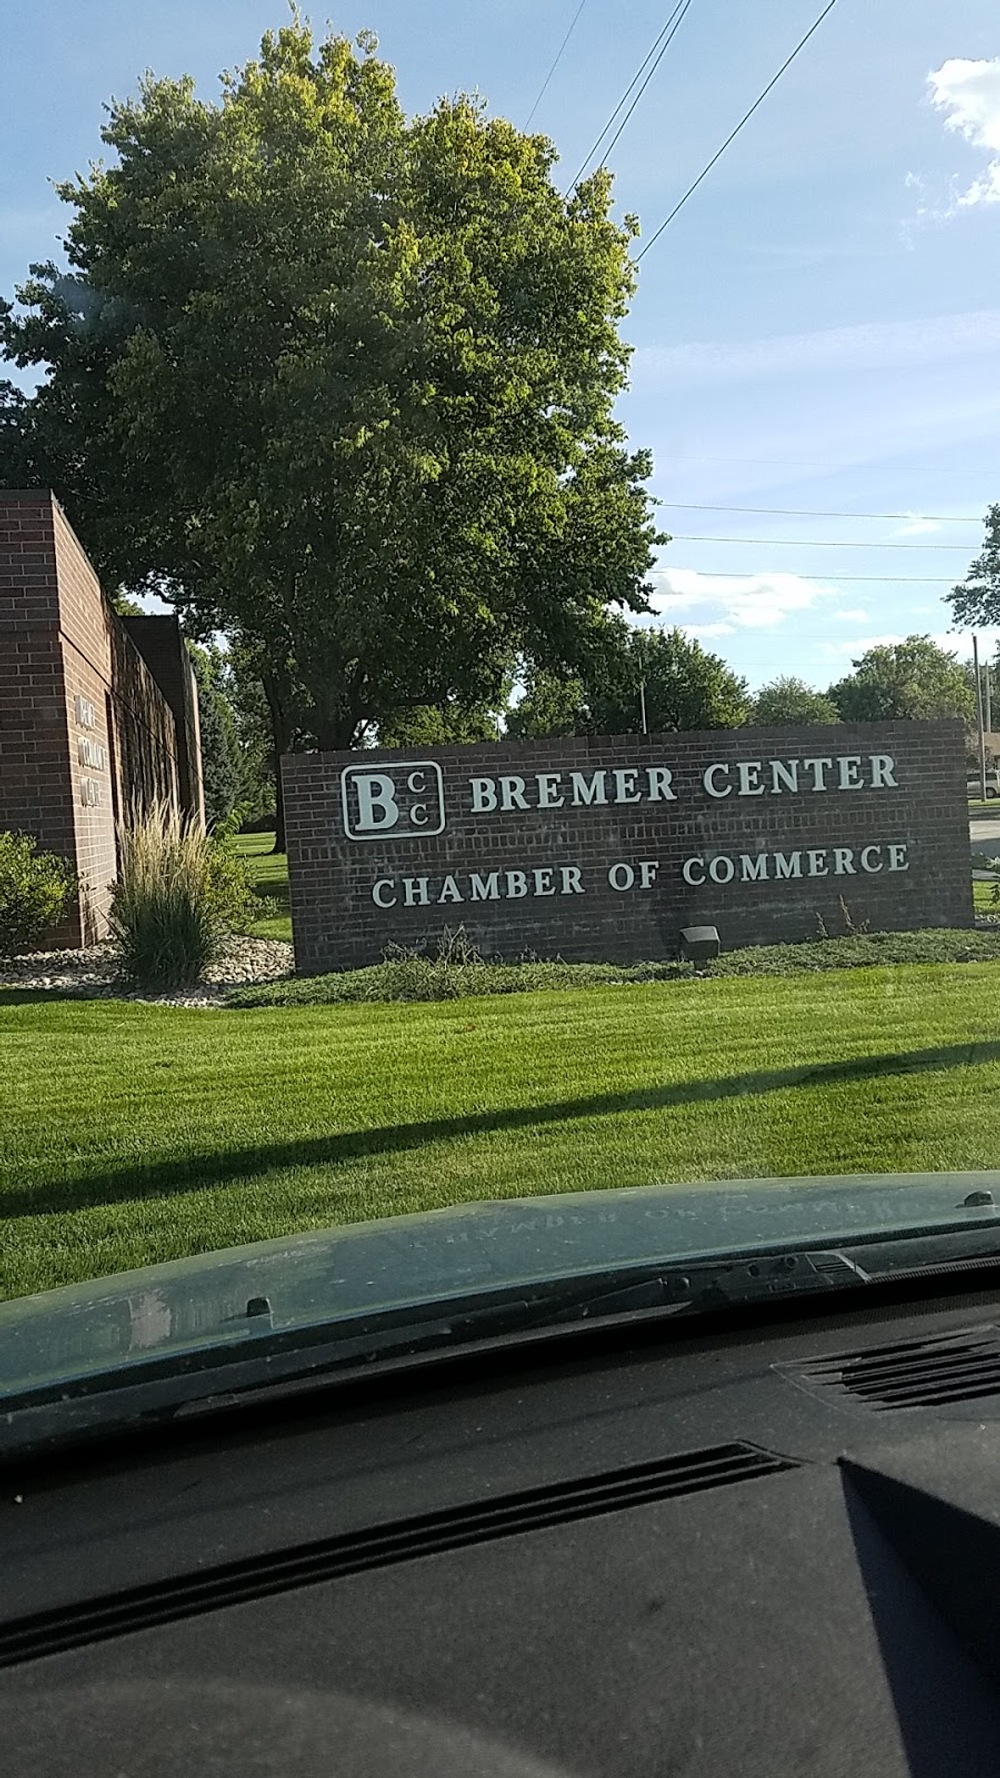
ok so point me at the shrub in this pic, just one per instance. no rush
(862, 950)
(35, 891)
(178, 896)
(408, 975)
(455, 971)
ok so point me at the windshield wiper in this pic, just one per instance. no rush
(263, 1363)
(254, 1367)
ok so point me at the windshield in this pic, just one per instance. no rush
(499, 617)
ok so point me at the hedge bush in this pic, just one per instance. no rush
(409, 975)
(35, 891)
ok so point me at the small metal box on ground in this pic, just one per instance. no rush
(699, 943)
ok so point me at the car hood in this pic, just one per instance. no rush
(333, 1275)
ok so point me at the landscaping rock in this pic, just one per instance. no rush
(94, 974)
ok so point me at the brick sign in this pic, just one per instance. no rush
(605, 848)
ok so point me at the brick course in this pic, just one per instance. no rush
(337, 924)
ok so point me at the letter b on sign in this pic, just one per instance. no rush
(392, 801)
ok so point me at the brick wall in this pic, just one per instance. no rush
(84, 730)
(36, 792)
(161, 645)
(639, 867)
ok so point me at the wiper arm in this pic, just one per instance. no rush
(702, 1285)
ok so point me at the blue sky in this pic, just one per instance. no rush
(820, 326)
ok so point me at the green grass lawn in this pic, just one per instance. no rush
(131, 1133)
(270, 881)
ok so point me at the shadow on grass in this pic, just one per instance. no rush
(205, 1171)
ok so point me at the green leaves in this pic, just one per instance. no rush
(681, 685)
(978, 600)
(343, 381)
(788, 701)
(906, 681)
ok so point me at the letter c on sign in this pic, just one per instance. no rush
(419, 812)
(866, 855)
(708, 779)
(689, 865)
(383, 883)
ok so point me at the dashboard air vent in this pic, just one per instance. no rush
(925, 1373)
(402, 1540)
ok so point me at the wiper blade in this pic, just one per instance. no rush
(703, 1285)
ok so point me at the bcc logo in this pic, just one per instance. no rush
(398, 801)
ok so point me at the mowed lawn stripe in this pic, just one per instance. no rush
(130, 1134)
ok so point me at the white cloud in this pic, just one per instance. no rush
(850, 617)
(957, 642)
(916, 527)
(732, 601)
(876, 345)
(859, 645)
(968, 93)
(709, 630)
(960, 642)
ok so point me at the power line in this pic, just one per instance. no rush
(745, 119)
(827, 468)
(812, 512)
(558, 58)
(758, 574)
(678, 14)
(658, 50)
(814, 542)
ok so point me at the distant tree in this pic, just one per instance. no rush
(551, 704)
(904, 681)
(684, 686)
(125, 605)
(440, 725)
(269, 707)
(220, 751)
(786, 701)
(977, 601)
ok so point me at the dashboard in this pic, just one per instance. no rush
(772, 1549)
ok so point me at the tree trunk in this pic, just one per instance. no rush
(336, 735)
(279, 811)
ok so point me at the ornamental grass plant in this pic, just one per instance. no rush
(179, 895)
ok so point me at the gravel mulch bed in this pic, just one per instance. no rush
(94, 974)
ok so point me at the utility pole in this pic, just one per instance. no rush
(979, 717)
(641, 654)
(987, 678)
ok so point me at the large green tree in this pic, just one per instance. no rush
(681, 684)
(341, 381)
(907, 681)
(786, 701)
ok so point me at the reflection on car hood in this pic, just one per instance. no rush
(305, 1281)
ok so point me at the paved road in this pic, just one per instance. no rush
(986, 828)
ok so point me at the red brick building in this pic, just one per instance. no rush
(97, 715)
